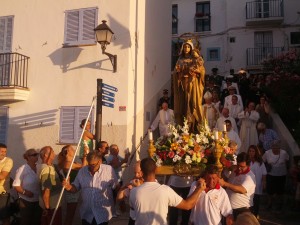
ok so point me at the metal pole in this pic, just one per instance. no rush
(69, 171)
(99, 110)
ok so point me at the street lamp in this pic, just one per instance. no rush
(104, 35)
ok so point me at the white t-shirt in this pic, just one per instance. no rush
(150, 202)
(278, 163)
(259, 170)
(210, 207)
(28, 180)
(238, 200)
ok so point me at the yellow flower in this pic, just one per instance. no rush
(174, 146)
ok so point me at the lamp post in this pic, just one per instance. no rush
(104, 35)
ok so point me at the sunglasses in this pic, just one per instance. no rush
(34, 154)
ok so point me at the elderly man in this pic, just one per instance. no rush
(150, 200)
(6, 165)
(96, 182)
(164, 117)
(213, 202)
(240, 186)
(50, 187)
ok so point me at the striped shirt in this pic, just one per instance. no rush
(96, 192)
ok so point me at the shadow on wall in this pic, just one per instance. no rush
(35, 120)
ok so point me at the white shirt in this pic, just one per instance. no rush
(232, 135)
(150, 202)
(259, 170)
(234, 110)
(220, 123)
(278, 162)
(238, 200)
(28, 180)
(163, 119)
(228, 101)
(210, 207)
(96, 192)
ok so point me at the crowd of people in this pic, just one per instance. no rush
(239, 102)
(92, 184)
(95, 184)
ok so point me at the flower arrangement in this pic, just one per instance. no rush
(189, 153)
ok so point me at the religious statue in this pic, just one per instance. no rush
(188, 83)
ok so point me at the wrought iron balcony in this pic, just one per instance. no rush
(13, 77)
(255, 56)
(265, 12)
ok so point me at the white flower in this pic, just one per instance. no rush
(159, 162)
(188, 159)
(176, 158)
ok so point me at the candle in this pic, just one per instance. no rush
(224, 127)
(150, 135)
(216, 135)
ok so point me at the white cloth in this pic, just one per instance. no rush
(228, 101)
(238, 200)
(220, 123)
(210, 114)
(210, 207)
(259, 171)
(96, 192)
(150, 202)
(162, 120)
(248, 132)
(28, 180)
(234, 110)
(232, 135)
(224, 86)
(278, 167)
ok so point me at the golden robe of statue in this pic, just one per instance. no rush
(188, 78)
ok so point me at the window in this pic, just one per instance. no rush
(295, 38)
(232, 39)
(174, 19)
(79, 26)
(6, 28)
(202, 17)
(213, 54)
(3, 123)
(70, 119)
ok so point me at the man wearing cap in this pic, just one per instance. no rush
(164, 98)
(6, 165)
(209, 111)
(164, 117)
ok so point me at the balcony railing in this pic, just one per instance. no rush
(13, 70)
(255, 56)
(264, 9)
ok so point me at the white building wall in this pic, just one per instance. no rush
(228, 19)
(67, 76)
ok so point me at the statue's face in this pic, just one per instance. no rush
(186, 49)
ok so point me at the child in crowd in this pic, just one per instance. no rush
(86, 144)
